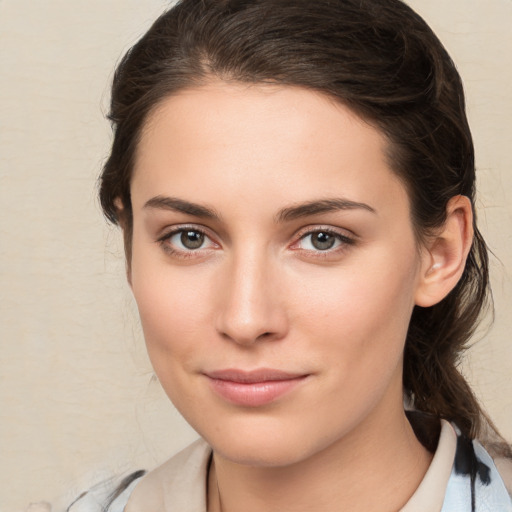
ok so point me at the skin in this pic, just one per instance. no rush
(259, 294)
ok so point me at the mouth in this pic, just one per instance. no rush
(253, 388)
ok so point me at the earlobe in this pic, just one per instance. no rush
(444, 255)
(121, 219)
(118, 203)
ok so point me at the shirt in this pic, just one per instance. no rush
(180, 484)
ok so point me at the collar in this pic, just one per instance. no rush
(429, 496)
(181, 482)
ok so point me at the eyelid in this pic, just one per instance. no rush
(341, 232)
(170, 231)
(346, 237)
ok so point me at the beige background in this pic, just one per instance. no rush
(78, 401)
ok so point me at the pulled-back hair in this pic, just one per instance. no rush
(379, 58)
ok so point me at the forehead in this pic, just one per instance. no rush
(256, 111)
(260, 139)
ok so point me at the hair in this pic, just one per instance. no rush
(380, 59)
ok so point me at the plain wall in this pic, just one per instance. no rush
(78, 399)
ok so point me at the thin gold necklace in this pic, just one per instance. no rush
(211, 468)
(218, 492)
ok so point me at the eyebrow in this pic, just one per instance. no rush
(319, 207)
(181, 206)
(285, 215)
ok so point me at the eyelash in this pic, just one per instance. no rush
(169, 249)
(344, 242)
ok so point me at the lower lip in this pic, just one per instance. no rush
(254, 394)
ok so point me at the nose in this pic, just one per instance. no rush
(250, 302)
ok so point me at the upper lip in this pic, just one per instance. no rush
(252, 376)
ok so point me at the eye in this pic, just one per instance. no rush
(189, 239)
(323, 240)
(185, 240)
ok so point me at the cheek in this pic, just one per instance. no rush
(170, 316)
(171, 306)
(361, 319)
(171, 332)
(376, 292)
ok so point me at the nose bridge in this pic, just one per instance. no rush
(250, 308)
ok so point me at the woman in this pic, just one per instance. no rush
(295, 184)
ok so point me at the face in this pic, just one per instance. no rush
(275, 267)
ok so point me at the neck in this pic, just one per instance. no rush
(377, 468)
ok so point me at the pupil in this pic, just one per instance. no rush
(192, 239)
(322, 241)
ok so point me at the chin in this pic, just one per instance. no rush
(265, 442)
(262, 454)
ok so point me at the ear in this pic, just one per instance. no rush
(120, 216)
(444, 254)
(121, 219)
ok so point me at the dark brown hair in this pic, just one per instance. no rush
(380, 59)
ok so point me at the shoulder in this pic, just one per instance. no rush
(108, 496)
(178, 484)
(475, 483)
(462, 477)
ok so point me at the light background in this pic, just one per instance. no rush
(78, 401)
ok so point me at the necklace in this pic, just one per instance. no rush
(218, 493)
(212, 468)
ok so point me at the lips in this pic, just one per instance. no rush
(253, 388)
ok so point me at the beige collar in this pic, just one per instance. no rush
(179, 485)
(429, 496)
